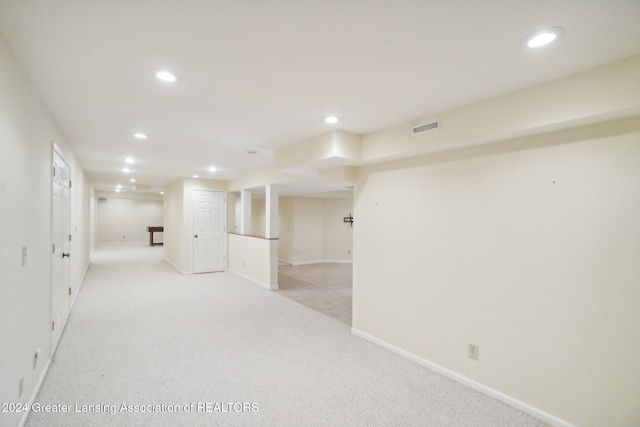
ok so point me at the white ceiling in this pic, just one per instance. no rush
(264, 74)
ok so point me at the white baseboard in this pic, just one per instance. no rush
(251, 279)
(32, 399)
(318, 261)
(175, 267)
(524, 407)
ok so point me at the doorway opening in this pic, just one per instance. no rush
(316, 252)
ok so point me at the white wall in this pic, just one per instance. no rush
(528, 249)
(312, 229)
(27, 132)
(124, 220)
(254, 258)
(178, 220)
(175, 245)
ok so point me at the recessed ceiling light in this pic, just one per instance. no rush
(252, 151)
(117, 190)
(119, 186)
(544, 37)
(195, 176)
(212, 169)
(126, 170)
(132, 180)
(130, 160)
(331, 119)
(162, 192)
(166, 76)
(140, 135)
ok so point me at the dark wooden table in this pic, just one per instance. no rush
(152, 230)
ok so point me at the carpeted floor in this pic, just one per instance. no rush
(325, 287)
(142, 334)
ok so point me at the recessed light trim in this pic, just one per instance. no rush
(195, 176)
(166, 76)
(212, 169)
(252, 151)
(126, 170)
(132, 180)
(117, 190)
(544, 37)
(130, 160)
(331, 119)
(139, 135)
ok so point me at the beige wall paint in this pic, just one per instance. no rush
(308, 229)
(258, 217)
(178, 219)
(337, 236)
(528, 249)
(603, 93)
(285, 226)
(26, 134)
(254, 258)
(126, 220)
(312, 230)
(174, 243)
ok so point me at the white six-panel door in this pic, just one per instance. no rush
(60, 265)
(209, 232)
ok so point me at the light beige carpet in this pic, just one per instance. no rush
(142, 334)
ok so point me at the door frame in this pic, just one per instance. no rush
(193, 226)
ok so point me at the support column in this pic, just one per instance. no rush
(245, 212)
(271, 212)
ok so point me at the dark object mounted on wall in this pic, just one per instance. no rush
(348, 219)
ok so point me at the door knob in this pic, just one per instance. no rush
(196, 236)
(66, 255)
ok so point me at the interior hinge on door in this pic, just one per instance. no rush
(69, 237)
(69, 290)
(53, 325)
(54, 248)
(54, 171)
(69, 184)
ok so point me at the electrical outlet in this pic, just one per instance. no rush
(474, 351)
(20, 387)
(349, 252)
(122, 237)
(243, 264)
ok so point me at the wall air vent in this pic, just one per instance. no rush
(102, 200)
(415, 130)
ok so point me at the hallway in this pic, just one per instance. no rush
(142, 334)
